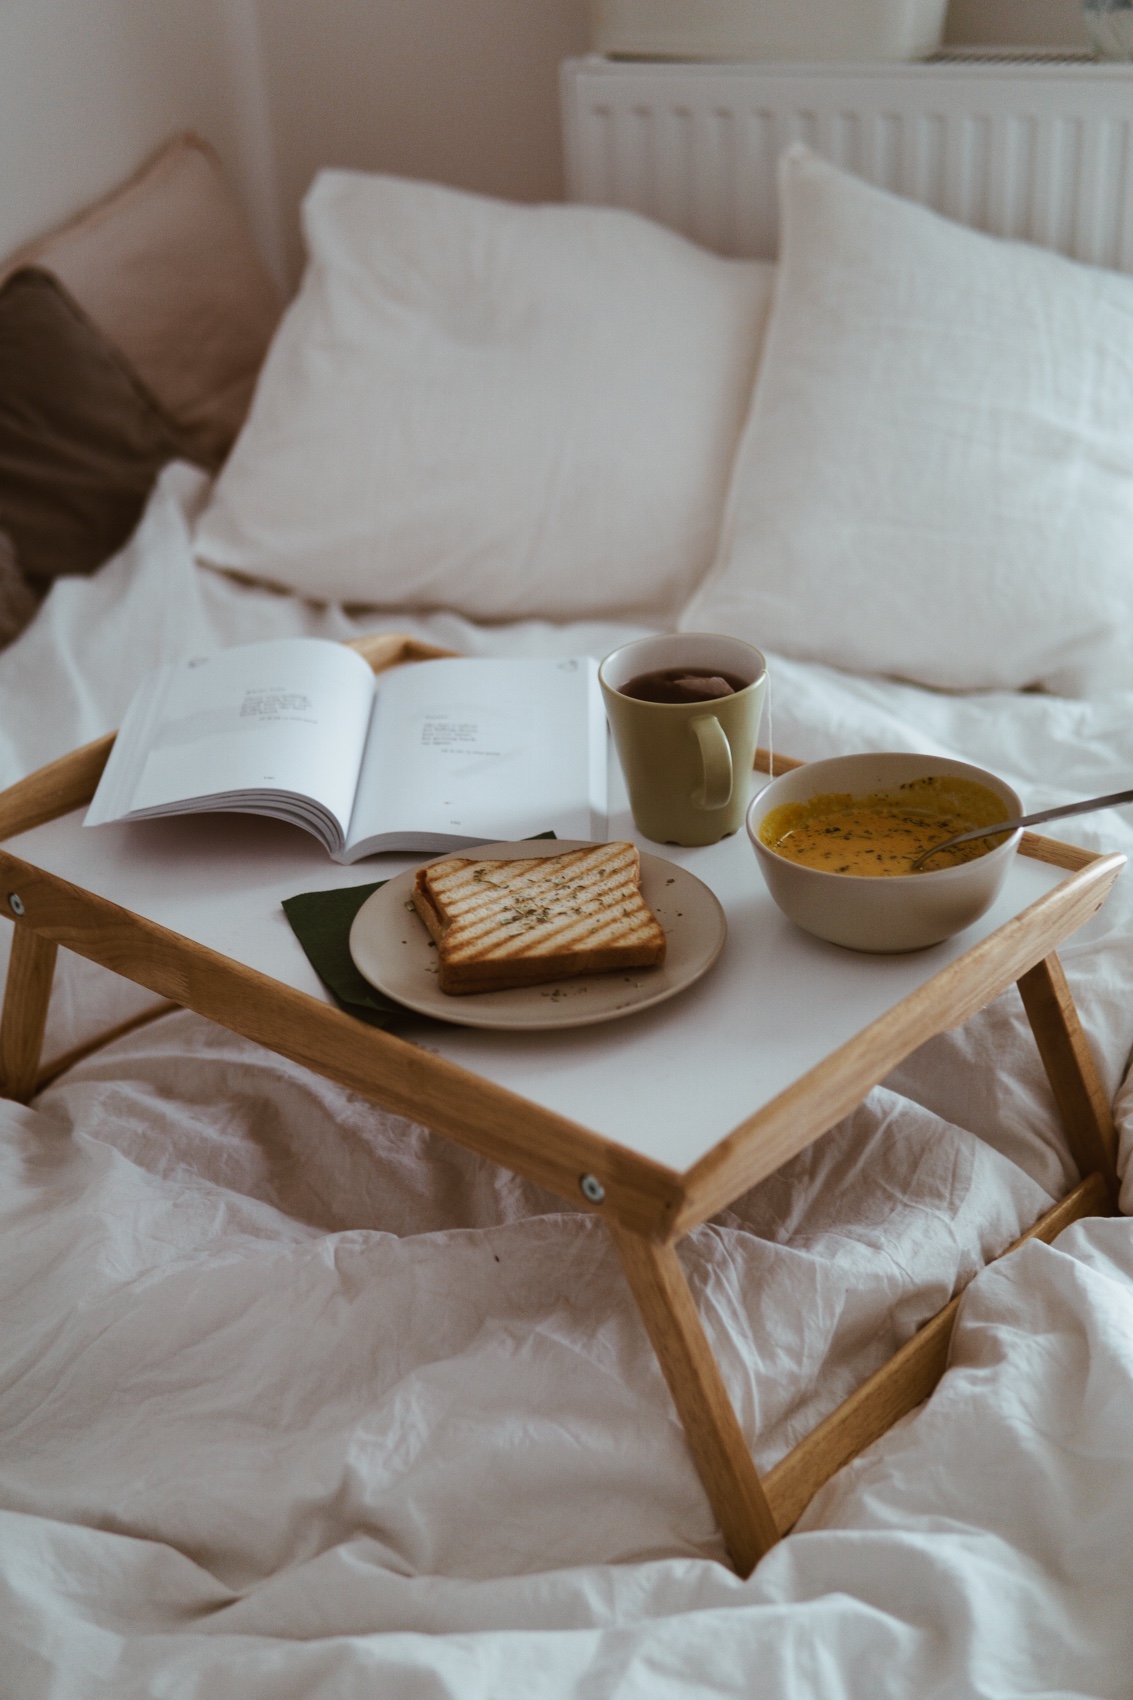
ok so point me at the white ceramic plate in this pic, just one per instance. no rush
(392, 949)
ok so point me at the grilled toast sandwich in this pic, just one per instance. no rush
(500, 924)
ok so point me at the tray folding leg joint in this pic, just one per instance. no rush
(26, 997)
(711, 1426)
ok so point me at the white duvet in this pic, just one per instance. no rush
(298, 1399)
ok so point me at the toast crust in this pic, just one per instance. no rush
(521, 923)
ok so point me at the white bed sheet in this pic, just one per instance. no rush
(298, 1399)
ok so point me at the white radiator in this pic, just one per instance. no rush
(1042, 151)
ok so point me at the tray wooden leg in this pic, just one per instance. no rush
(1081, 1098)
(711, 1427)
(26, 997)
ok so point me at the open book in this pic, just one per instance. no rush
(432, 755)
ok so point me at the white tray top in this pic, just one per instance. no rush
(668, 1084)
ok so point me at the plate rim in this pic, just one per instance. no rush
(516, 849)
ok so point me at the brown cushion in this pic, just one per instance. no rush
(81, 438)
(166, 269)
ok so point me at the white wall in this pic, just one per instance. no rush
(460, 90)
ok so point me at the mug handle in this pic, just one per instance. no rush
(716, 760)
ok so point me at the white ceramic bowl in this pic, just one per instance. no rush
(892, 913)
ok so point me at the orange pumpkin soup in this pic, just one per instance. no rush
(885, 831)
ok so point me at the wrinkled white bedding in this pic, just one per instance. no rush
(298, 1399)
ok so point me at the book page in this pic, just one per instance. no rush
(289, 715)
(466, 751)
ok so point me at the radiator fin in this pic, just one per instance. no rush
(1040, 151)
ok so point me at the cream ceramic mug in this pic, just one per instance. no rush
(687, 764)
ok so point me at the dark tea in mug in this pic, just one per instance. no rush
(683, 684)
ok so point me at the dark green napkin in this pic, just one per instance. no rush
(321, 921)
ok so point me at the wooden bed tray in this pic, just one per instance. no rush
(648, 1204)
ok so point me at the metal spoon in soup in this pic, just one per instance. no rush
(1113, 801)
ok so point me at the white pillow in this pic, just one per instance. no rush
(936, 478)
(506, 410)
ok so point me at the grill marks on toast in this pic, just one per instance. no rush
(499, 924)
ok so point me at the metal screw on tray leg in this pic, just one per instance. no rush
(592, 1189)
(15, 903)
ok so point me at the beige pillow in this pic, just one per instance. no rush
(166, 269)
